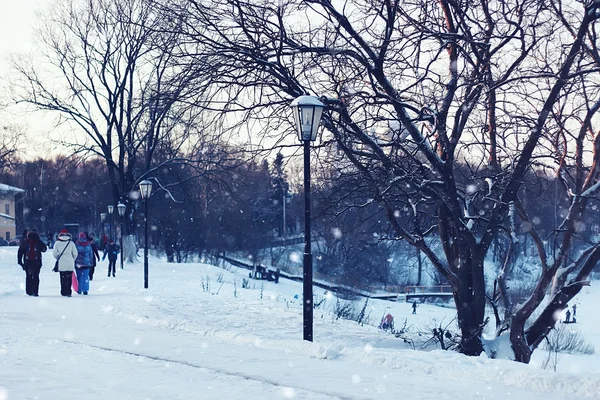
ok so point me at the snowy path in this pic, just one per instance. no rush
(108, 354)
(123, 342)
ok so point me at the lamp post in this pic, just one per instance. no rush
(121, 209)
(145, 190)
(307, 112)
(111, 208)
(102, 218)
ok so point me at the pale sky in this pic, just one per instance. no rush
(17, 18)
(17, 21)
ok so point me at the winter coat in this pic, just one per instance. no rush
(95, 254)
(84, 254)
(112, 250)
(33, 239)
(67, 260)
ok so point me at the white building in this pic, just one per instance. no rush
(8, 215)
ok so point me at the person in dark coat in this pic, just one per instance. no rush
(49, 236)
(414, 307)
(96, 255)
(83, 263)
(29, 257)
(112, 250)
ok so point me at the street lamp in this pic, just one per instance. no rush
(111, 208)
(307, 112)
(145, 190)
(121, 209)
(102, 218)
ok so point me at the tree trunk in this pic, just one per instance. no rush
(470, 303)
(519, 345)
(420, 266)
(470, 329)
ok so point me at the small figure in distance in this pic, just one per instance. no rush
(112, 250)
(387, 322)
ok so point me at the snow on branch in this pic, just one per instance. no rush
(511, 217)
(591, 190)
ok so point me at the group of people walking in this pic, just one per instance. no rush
(73, 257)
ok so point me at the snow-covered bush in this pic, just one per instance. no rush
(567, 339)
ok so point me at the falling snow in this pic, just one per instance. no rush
(471, 188)
(336, 232)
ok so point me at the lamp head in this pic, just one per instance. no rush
(307, 114)
(145, 188)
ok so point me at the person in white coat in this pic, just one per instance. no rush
(65, 252)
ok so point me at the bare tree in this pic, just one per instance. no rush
(9, 144)
(416, 91)
(106, 71)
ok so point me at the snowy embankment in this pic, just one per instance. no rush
(197, 334)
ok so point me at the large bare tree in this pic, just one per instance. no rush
(417, 90)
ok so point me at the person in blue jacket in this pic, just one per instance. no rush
(112, 250)
(83, 263)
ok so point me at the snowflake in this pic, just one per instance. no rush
(336, 232)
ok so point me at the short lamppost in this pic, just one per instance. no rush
(145, 190)
(111, 208)
(121, 209)
(307, 112)
(102, 218)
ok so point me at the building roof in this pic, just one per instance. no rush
(10, 189)
(6, 216)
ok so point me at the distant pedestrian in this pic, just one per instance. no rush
(277, 273)
(65, 253)
(387, 322)
(574, 310)
(112, 250)
(568, 320)
(29, 257)
(414, 307)
(83, 263)
(95, 254)
(103, 242)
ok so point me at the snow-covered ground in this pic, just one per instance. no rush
(178, 341)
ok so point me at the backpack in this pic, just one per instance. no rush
(33, 253)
